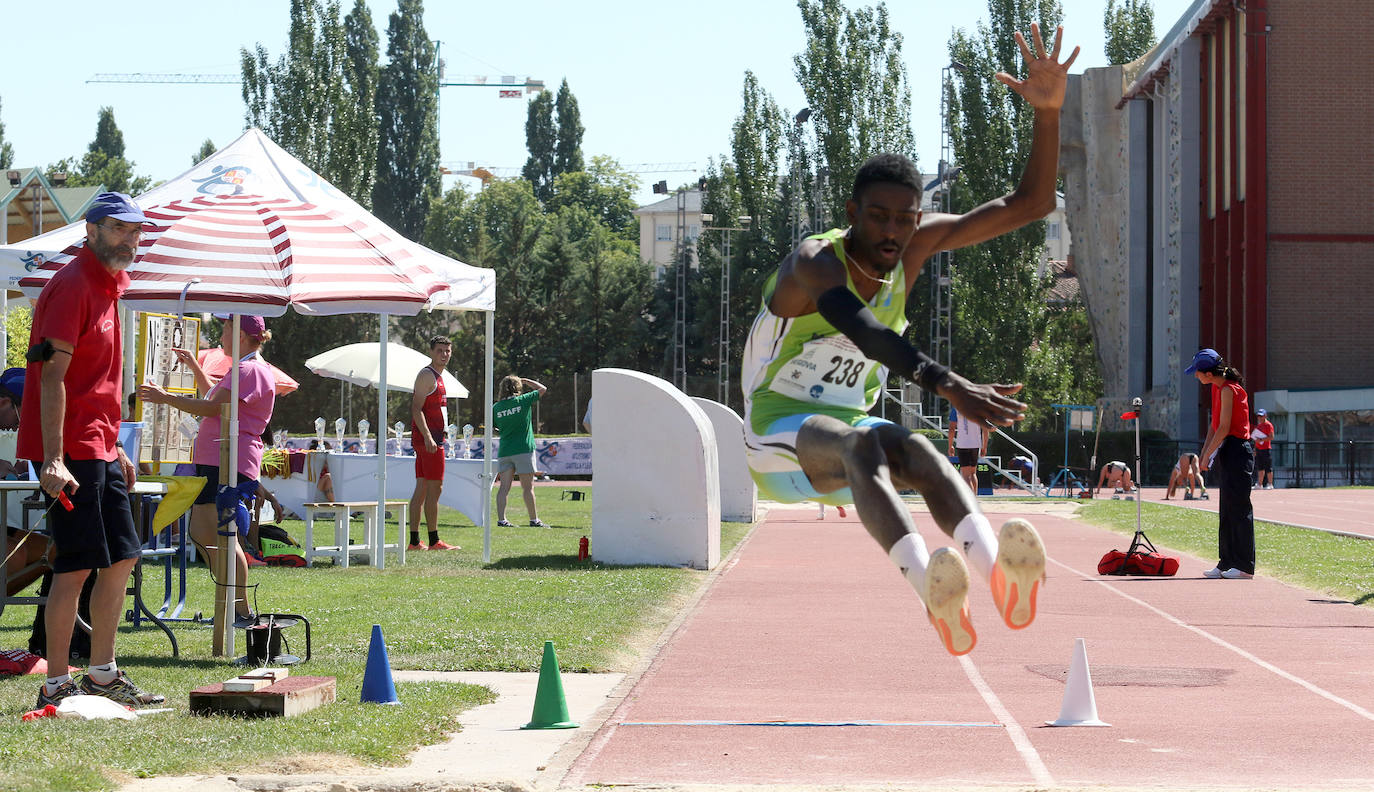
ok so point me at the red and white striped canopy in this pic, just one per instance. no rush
(252, 230)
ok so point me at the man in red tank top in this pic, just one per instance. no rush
(428, 417)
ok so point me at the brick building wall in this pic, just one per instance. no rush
(1321, 195)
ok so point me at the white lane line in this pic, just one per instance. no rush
(1332, 697)
(1014, 731)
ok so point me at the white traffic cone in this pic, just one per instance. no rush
(1079, 707)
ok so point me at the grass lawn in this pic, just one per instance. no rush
(441, 611)
(1334, 565)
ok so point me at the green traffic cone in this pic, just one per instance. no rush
(550, 707)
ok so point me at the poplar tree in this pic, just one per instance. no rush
(854, 79)
(353, 156)
(408, 114)
(1129, 30)
(207, 149)
(567, 154)
(541, 140)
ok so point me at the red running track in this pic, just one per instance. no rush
(1206, 683)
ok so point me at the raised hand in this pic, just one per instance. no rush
(1045, 75)
(983, 404)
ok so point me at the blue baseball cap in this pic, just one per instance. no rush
(12, 384)
(1261, 412)
(116, 205)
(1204, 360)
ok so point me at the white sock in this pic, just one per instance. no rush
(910, 556)
(55, 682)
(103, 674)
(974, 533)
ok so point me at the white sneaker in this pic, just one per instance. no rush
(1017, 573)
(1236, 574)
(1268, 486)
(1214, 573)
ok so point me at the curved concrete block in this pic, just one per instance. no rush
(655, 473)
(739, 497)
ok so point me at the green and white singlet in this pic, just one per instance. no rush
(796, 367)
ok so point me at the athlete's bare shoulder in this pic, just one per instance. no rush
(806, 274)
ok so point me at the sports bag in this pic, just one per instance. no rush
(1116, 562)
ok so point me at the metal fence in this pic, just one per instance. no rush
(1315, 463)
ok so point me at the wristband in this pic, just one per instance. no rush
(929, 375)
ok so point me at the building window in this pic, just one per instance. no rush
(664, 234)
(1052, 231)
(693, 232)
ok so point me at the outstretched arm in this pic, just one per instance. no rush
(1034, 197)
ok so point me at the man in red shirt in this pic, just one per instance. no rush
(428, 417)
(69, 426)
(1263, 435)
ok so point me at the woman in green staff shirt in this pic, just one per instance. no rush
(512, 417)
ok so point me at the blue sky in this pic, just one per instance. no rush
(658, 84)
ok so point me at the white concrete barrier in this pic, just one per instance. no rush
(655, 474)
(739, 497)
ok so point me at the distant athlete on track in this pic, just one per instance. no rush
(830, 325)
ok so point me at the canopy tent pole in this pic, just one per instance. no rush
(230, 477)
(486, 448)
(378, 525)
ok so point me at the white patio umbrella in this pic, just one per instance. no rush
(252, 230)
(360, 364)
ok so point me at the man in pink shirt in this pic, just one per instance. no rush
(257, 397)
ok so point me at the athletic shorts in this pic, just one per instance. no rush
(99, 530)
(429, 464)
(774, 466)
(1264, 460)
(211, 488)
(520, 463)
(968, 457)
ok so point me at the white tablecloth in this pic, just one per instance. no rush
(355, 478)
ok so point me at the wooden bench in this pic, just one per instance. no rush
(374, 536)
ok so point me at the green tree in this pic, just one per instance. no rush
(6, 150)
(541, 140)
(408, 113)
(1129, 30)
(353, 155)
(1062, 368)
(854, 79)
(606, 190)
(207, 149)
(18, 321)
(567, 155)
(103, 164)
(998, 295)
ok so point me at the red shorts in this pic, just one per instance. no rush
(429, 465)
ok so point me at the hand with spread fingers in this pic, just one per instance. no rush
(1045, 75)
(987, 404)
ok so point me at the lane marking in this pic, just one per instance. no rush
(1332, 697)
(814, 723)
(1034, 764)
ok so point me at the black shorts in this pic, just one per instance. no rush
(99, 530)
(211, 488)
(1264, 460)
(968, 457)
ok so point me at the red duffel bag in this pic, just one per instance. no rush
(1116, 562)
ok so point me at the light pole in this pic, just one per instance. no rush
(723, 353)
(941, 266)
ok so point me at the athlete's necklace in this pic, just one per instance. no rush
(860, 268)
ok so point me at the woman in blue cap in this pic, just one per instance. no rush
(1229, 441)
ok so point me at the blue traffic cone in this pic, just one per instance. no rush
(550, 706)
(377, 685)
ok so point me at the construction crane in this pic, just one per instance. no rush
(165, 77)
(469, 168)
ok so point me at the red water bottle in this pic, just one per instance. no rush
(583, 549)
